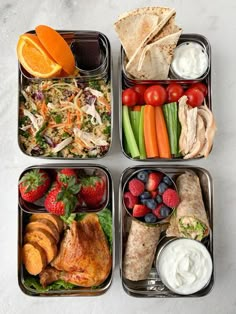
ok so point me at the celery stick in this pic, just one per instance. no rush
(135, 119)
(126, 146)
(178, 135)
(128, 132)
(171, 117)
(141, 142)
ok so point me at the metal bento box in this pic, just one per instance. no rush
(69, 117)
(66, 254)
(142, 243)
(174, 140)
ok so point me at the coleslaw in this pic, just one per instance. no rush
(65, 118)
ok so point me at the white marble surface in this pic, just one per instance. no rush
(216, 20)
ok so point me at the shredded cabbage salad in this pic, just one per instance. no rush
(64, 118)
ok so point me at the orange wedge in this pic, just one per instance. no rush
(35, 59)
(57, 47)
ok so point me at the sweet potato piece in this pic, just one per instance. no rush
(44, 224)
(53, 218)
(45, 240)
(34, 258)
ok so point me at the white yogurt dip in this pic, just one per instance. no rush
(184, 266)
(190, 61)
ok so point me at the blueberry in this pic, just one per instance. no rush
(162, 187)
(145, 195)
(165, 211)
(143, 176)
(143, 201)
(151, 203)
(167, 180)
(158, 199)
(150, 218)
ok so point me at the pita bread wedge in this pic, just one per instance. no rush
(160, 54)
(159, 11)
(132, 65)
(132, 30)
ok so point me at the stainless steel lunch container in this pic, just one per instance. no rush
(126, 81)
(152, 286)
(102, 72)
(24, 211)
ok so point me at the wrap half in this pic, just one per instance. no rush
(190, 219)
(140, 250)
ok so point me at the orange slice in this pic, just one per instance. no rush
(57, 47)
(35, 59)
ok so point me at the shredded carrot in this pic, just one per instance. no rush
(71, 97)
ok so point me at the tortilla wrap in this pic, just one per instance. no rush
(191, 209)
(140, 250)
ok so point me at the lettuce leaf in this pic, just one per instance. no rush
(33, 283)
(105, 220)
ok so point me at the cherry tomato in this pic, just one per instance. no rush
(140, 90)
(174, 92)
(201, 86)
(195, 97)
(129, 97)
(155, 95)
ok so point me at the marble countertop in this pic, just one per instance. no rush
(217, 22)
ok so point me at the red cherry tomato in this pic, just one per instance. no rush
(174, 92)
(140, 90)
(201, 86)
(155, 95)
(195, 97)
(129, 97)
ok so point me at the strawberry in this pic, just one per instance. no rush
(171, 198)
(34, 184)
(140, 210)
(136, 187)
(64, 175)
(62, 200)
(154, 178)
(92, 190)
(162, 211)
(154, 194)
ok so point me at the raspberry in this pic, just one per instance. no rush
(136, 187)
(171, 198)
(130, 200)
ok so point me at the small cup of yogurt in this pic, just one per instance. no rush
(184, 265)
(190, 61)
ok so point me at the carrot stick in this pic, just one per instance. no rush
(150, 132)
(162, 134)
(136, 108)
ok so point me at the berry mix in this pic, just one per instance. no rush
(150, 196)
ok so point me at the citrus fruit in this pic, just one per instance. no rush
(35, 59)
(57, 47)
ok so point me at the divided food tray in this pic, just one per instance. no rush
(99, 79)
(152, 286)
(126, 81)
(25, 211)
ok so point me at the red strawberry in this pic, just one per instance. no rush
(136, 187)
(62, 200)
(130, 200)
(156, 211)
(153, 181)
(171, 198)
(140, 210)
(92, 190)
(34, 184)
(64, 175)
